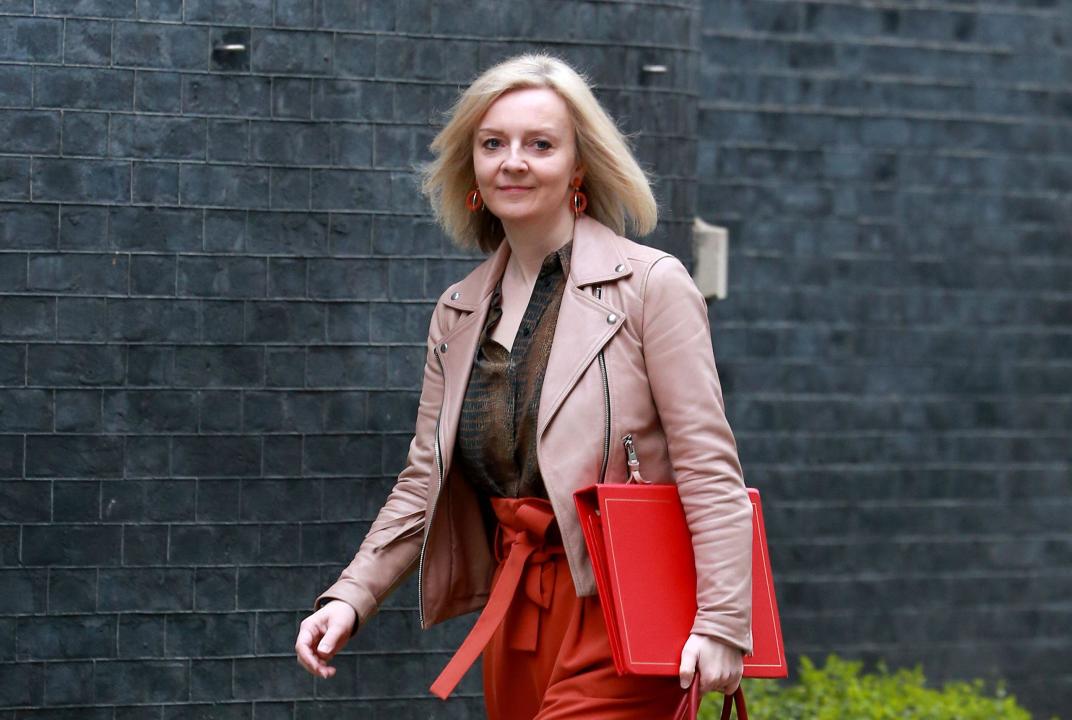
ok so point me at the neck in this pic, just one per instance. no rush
(531, 241)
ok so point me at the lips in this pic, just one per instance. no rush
(513, 188)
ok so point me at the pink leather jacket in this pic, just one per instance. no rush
(655, 379)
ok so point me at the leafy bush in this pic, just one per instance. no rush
(838, 691)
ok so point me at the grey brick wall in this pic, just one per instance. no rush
(215, 277)
(896, 344)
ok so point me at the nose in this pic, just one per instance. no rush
(514, 162)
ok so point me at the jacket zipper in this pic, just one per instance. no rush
(606, 405)
(431, 517)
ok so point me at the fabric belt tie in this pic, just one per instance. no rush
(525, 559)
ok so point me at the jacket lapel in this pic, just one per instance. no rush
(585, 323)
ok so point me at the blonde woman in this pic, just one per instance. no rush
(565, 339)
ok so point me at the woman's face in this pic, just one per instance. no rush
(525, 155)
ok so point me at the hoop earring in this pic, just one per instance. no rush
(578, 200)
(474, 201)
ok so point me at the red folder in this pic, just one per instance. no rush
(648, 589)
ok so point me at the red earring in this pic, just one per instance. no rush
(474, 201)
(578, 199)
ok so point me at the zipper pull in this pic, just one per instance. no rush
(632, 460)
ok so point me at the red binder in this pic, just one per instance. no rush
(648, 624)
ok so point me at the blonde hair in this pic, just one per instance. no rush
(616, 186)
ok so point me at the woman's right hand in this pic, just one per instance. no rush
(323, 634)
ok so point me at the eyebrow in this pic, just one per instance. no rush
(532, 131)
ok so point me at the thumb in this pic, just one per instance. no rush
(688, 665)
(330, 643)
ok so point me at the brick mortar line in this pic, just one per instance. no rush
(850, 39)
(863, 112)
(970, 8)
(959, 153)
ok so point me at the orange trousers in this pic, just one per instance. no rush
(546, 652)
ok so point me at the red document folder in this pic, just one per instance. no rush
(641, 551)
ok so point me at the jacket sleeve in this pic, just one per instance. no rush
(391, 548)
(688, 397)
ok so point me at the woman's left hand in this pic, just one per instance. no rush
(721, 665)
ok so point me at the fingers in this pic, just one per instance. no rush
(689, 656)
(310, 636)
(720, 666)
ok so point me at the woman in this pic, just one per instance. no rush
(564, 340)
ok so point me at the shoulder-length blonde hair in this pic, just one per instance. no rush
(616, 186)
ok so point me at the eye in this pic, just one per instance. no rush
(488, 143)
(542, 144)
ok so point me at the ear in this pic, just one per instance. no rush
(578, 171)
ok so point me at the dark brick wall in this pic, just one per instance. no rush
(215, 279)
(896, 346)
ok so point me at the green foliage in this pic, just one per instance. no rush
(838, 691)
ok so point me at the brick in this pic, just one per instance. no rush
(215, 589)
(291, 97)
(327, 542)
(286, 278)
(398, 322)
(85, 133)
(29, 131)
(25, 410)
(68, 683)
(285, 322)
(346, 367)
(293, 13)
(341, 15)
(11, 457)
(219, 411)
(392, 411)
(81, 180)
(224, 185)
(83, 228)
(14, 179)
(70, 544)
(219, 366)
(157, 137)
(69, 637)
(405, 366)
(350, 190)
(292, 51)
(228, 140)
(282, 456)
(204, 635)
(145, 589)
(143, 320)
(11, 549)
(156, 229)
(141, 636)
(85, 88)
(225, 230)
(75, 501)
(288, 233)
(349, 234)
(159, 45)
(72, 590)
(347, 279)
(406, 279)
(265, 678)
(22, 684)
(73, 456)
(141, 681)
(339, 455)
(211, 680)
(279, 500)
(289, 189)
(16, 83)
(217, 500)
(147, 457)
(227, 95)
(223, 322)
(26, 590)
(152, 274)
(241, 12)
(149, 411)
(219, 456)
(28, 226)
(284, 368)
(351, 145)
(217, 276)
(87, 42)
(276, 632)
(160, 9)
(351, 100)
(33, 40)
(72, 364)
(158, 91)
(154, 500)
(77, 411)
(25, 501)
(291, 143)
(275, 588)
(205, 544)
(355, 56)
(348, 322)
(280, 544)
(82, 273)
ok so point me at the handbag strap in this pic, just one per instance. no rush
(737, 700)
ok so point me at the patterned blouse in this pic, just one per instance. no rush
(496, 449)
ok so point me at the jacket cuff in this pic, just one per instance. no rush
(716, 631)
(363, 603)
